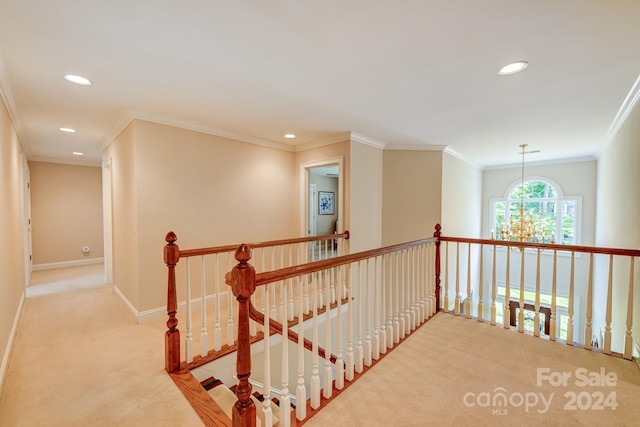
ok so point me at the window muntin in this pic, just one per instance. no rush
(555, 215)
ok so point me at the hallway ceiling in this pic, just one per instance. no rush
(407, 74)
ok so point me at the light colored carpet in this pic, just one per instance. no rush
(425, 381)
(78, 360)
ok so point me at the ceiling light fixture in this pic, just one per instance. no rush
(289, 135)
(514, 67)
(79, 80)
(68, 130)
(77, 153)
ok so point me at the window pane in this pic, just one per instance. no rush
(568, 222)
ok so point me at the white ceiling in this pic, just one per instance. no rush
(404, 73)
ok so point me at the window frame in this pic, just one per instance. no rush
(560, 199)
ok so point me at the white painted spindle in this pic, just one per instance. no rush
(457, 301)
(628, 338)
(588, 334)
(204, 337)
(552, 317)
(607, 328)
(359, 349)
(367, 313)
(315, 377)
(521, 302)
(467, 302)
(536, 316)
(217, 330)
(493, 287)
(506, 316)
(266, 388)
(570, 308)
(339, 381)
(301, 389)
(481, 287)
(327, 382)
(189, 336)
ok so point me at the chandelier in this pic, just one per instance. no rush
(524, 229)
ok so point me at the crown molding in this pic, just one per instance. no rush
(342, 137)
(626, 108)
(119, 126)
(543, 163)
(7, 97)
(97, 163)
(359, 138)
(154, 118)
(462, 158)
(413, 147)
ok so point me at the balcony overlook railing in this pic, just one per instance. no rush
(312, 318)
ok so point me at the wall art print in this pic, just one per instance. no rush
(326, 203)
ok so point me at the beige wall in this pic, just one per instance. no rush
(12, 250)
(365, 203)
(66, 212)
(122, 153)
(208, 190)
(462, 197)
(412, 189)
(617, 222)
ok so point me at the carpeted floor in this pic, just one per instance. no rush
(79, 360)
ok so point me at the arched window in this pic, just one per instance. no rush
(549, 215)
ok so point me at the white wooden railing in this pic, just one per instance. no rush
(361, 305)
(586, 292)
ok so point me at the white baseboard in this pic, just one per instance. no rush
(9, 348)
(145, 316)
(65, 264)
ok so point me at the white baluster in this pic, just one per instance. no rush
(493, 287)
(552, 316)
(628, 338)
(521, 309)
(607, 328)
(274, 307)
(388, 312)
(301, 389)
(413, 285)
(481, 286)
(396, 285)
(506, 315)
(406, 279)
(359, 350)
(189, 337)
(570, 309)
(587, 330)
(457, 301)
(266, 389)
(339, 382)
(376, 317)
(536, 316)
(204, 337)
(217, 334)
(290, 306)
(367, 313)
(327, 389)
(230, 326)
(315, 377)
(445, 304)
(350, 374)
(285, 400)
(467, 303)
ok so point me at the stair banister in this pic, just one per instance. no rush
(243, 284)
(172, 336)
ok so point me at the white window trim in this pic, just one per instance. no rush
(560, 198)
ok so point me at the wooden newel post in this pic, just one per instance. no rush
(172, 337)
(436, 234)
(243, 284)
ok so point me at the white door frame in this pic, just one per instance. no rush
(312, 209)
(304, 191)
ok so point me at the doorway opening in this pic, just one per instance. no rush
(322, 199)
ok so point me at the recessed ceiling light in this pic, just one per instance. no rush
(68, 130)
(289, 135)
(514, 67)
(79, 80)
(77, 153)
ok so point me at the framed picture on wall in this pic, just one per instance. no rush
(326, 205)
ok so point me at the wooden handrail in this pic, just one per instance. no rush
(545, 246)
(230, 248)
(292, 336)
(312, 267)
